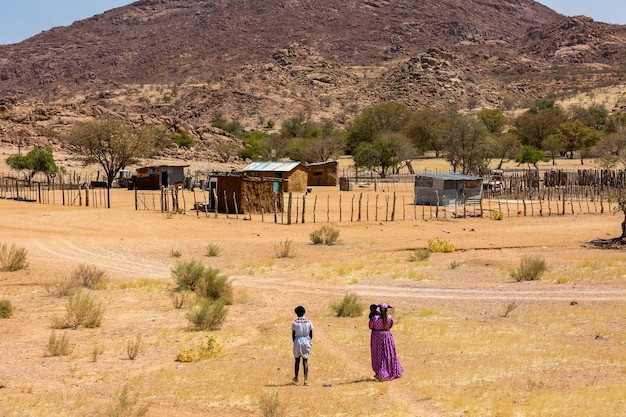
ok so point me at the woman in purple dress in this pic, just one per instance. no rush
(383, 348)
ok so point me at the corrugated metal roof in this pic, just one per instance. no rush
(271, 166)
(450, 176)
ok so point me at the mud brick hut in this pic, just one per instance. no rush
(323, 173)
(293, 175)
(237, 193)
(157, 177)
(447, 189)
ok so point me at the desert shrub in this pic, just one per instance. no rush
(348, 307)
(530, 269)
(179, 298)
(208, 314)
(82, 309)
(187, 274)
(284, 249)
(214, 286)
(454, 264)
(89, 277)
(419, 255)
(271, 405)
(59, 346)
(326, 235)
(440, 245)
(12, 258)
(6, 309)
(497, 215)
(175, 253)
(132, 347)
(127, 404)
(213, 249)
(98, 349)
(207, 348)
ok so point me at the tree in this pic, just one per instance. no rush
(39, 159)
(493, 119)
(466, 144)
(387, 151)
(578, 137)
(534, 126)
(108, 142)
(390, 116)
(504, 147)
(425, 129)
(531, 156)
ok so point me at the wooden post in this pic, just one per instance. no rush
(360, 202)
(235, 205)
(352, 208)
(314, 207)
(376, 217)
(340, 214)
(303, 206)
(328, 208)
(226, 203)
(217, 202)
(289, 202)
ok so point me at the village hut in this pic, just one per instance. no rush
(292, 175)
(162, 176)
(323, 173)
(447, 189)
(240, 194)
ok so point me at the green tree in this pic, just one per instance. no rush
(493, 119)
(390, 116)
(531, 156)
(466, 142)
(110, 143)
(39, 159)
(578, 137)
(504, 147)
(534, 126)
(386, 152)
(425, 129)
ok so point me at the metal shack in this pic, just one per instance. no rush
(293, 175)
(447, 189)
(156, 177)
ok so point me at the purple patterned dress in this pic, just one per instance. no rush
(384, 358)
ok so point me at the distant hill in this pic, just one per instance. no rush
(182, 62)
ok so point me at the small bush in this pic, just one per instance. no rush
(6, 309)
(348, 307)
(497, 215)
(12, 258)
(82, 310)
(89, 277)
(284, 249)
(214, 286)
(59, 346)
(186, 354)
(179, 298)
(213, 249)
(326, 235)
(208, 314)
(531, 268)
(187, 274)
(133, 347)
(419, 255)
(440, 245)
(126, 404)
(271, 405)
(175, 253)
(454, 264)
(98, 349)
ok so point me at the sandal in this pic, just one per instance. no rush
(295, 380)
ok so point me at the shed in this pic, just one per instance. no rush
(447, 189)
(236, 193)
(162, 176)
(323, 173)
(293, 175)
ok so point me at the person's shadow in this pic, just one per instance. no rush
(356, 381)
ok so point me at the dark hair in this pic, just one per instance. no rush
(300, 311)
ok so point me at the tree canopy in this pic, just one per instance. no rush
(39, 159)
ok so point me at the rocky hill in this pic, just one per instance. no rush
(183, 62)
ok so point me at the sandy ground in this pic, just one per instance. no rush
(135, 248)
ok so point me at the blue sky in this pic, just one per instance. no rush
(21, 19)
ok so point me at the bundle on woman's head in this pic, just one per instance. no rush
(384, 305)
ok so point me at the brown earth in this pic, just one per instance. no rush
(134, 248)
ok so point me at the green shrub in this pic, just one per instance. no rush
(6, 309)
(59, 346)
(440, 245)
(187, 274)
(82, 309)
(132, 347)
(126, 404)
(419, 255)
(214, 286)
(12, 258)
(175, 253)
(348, 307)
(326, 235)
(208, 314)
(213, 249)
(497, 215)
(530, 269)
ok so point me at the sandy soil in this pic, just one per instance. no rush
(134, 249)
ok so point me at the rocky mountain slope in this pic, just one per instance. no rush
(183, 62)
